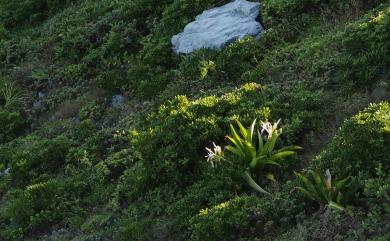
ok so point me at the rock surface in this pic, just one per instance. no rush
(217, 27)
(117, 100)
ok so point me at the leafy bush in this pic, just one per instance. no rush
(20, 11)
(169, 149)
(244, 218)
(237, 218)
(12, 124)
(216, 185)
(131, 184)
(366, 45)
(361, 144)
(376, 191)
(36, 156)
(36, 208)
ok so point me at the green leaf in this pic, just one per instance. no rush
(320, 185)
(334, 205)
(307, 193)
(310, 188)
(236, 151)
(281, 155)
(261, 144)
(328, 179)
(235, 135)
(254, 185)
(340, 184)
(290, 148)
(270, 144)
(270, 177)
(251, 131)
(243, 131)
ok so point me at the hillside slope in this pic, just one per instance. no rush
(76, 166)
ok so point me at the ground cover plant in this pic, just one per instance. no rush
(103, 128)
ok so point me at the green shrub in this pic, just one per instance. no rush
(37, 207)
(34, 157)
(205, 69)
(21, 11)
(168, 148)
(366, 50)
(276, 12)
(238, 218)
(330, 225)
(243, 218)
(112, 80)
(131, 184)
(85, 129)
(361, 145)
(176, 134)
(215, 186)
(12, 124)
(376, 191)
(133, 226)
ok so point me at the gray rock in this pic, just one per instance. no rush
(117, 100)
(5, 172)
(217, 27)
(40, 95)
(75, 120)
(37, 105)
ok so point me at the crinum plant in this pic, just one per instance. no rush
(254, 153)
(322, 189)
(11, 95)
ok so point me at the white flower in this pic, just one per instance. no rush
(269, 128)
(214, 156)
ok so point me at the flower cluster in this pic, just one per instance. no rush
(214, 156)
(270, 128)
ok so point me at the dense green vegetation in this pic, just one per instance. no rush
(73, 167)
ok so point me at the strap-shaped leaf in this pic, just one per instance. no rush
(251, 131)
(307, 193)
(238, 145)
(270, 162)
(339, 197)
(251, 149)
(270, 177)
(235, 135)
(236, 151)
(258, 162)
(310, 187)
(341, 183)
(328, 179)
(290, 148)
(261, 143)
(281, 155)
(320, 186)
(254, 185)
(270, 144)
(243, 131)
(334, 205)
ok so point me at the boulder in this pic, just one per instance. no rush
(117, 100)
(217, 27)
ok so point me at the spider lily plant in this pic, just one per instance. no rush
(13, 97)
(322, 189)
(256, 154)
